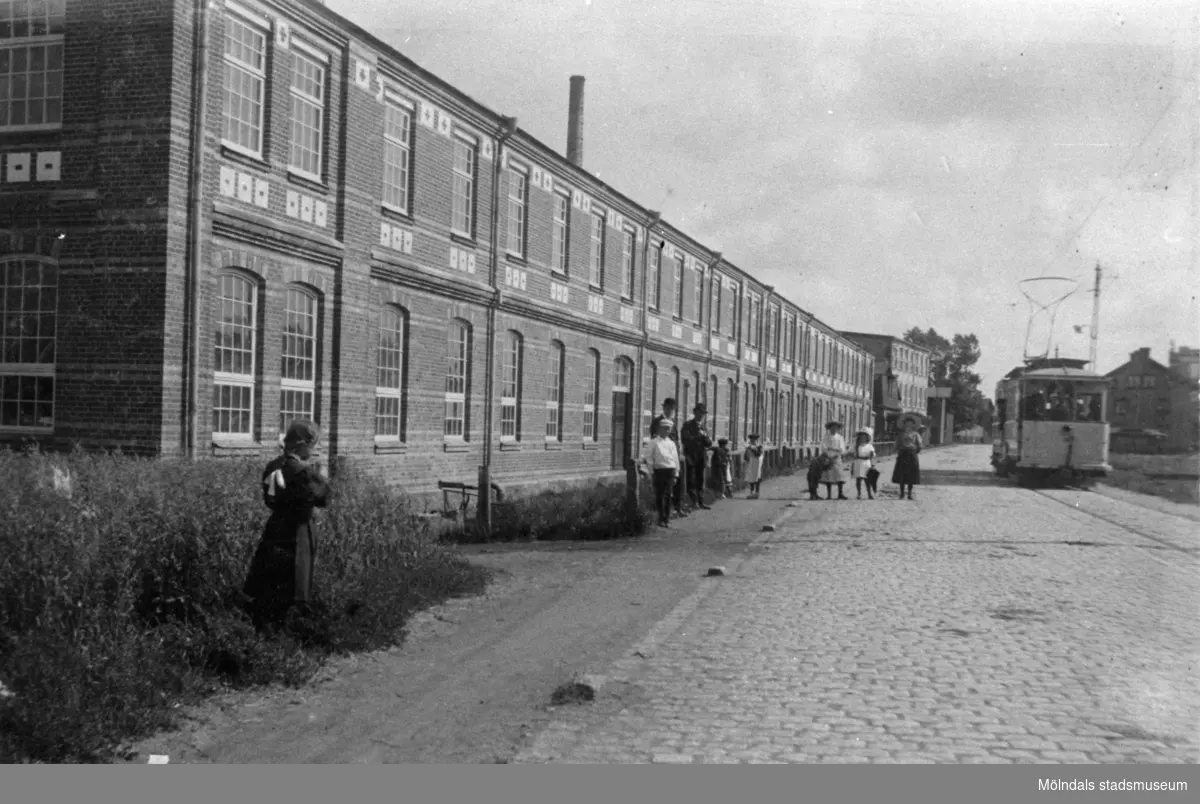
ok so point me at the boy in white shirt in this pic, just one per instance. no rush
(662, 459)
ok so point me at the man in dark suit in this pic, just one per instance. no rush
(696, 444)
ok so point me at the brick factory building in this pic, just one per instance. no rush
(220, 216)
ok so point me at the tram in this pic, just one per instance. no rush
(1052, 428)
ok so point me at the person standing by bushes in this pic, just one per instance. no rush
(668, 414)
(280, 575)
(662, 459)
(907, 471)
(754, 465)
(696, 444)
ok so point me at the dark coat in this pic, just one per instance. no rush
(695, 440)
(281, 571)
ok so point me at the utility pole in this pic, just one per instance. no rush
(1095, 318)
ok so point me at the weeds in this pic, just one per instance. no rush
(119, 592)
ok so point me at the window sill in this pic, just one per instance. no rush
(456, 446)
(393, 213)
(391, 448)
(510, 446)
(32, 128)
(515, 258)
(228, 447)
(463, 239)
(310, 183)
(554, 445)
(591, 445)
(245, 157)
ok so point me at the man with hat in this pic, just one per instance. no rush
(833, 446)
(696, 444)
(281, 571)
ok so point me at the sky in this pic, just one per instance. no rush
(883, 163)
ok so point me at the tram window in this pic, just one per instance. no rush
(1087, 408)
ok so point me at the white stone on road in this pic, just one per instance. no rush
(979, 623)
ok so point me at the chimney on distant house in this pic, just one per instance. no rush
(575, 123)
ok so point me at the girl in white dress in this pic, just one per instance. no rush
(754, 460)
(834, 447)
(864, 459)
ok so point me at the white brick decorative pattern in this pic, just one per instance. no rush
(262, 193)
(306, 209)
(320, 210)
(293, 204)
(48, 163)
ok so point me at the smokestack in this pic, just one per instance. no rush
(575, 123)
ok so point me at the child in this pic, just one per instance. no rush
(722, 463)
(816, 467)
(864, 461)
(753, 458)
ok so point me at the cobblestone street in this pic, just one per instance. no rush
(981, 622)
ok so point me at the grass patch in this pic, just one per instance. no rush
(1173, 489)
(119, 599)
(582, 514)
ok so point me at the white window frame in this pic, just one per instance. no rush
(302, 386)
(48, 43)
(591, 391)
(510, 388)
(679, 269)
(596, 237)
(628, 249)
(20, 373)
(518, 210)
(622, 380)
(555, 367)
(654, 278)
(261, 26)
(773, 329)
(456, 400)
(397, 153)
(389, 392)
(560, 236)
(244, 381)
(304, 52)
(463, 184)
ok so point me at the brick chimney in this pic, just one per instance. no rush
(575, 122)
(1143, 353)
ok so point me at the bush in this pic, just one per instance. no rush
(583, 514)
(121, 597)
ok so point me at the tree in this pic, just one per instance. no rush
(950, 364)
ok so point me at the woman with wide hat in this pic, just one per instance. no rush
(907, 471)
(833, 446)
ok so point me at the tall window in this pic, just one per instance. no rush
(560, 237)
(518, 200)
(591, 392)
(649, 396)
(756, 411)
(397, 154)
(297, 384)
(789, 333)
(755, 309)
(622, 379)
(791, 416)
(773, 430)
(803, 419)
(701, 391)
(31, 63)
(389, 375)
(234, 347)
(773, 330)
(677, 389)
(28, 313)
(679, 286)
(596, 258)
(731, 411)
(628, 241)
(463, 192)
(729, 310)
(698, 296)
(554, 386)
(653, 278)
(745, 410)
(712, 403)
(714, 304)
(245, 78)
(510, 389)
(458, 359)
(308, 112)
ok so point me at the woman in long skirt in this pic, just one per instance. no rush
(280, 574)
(907, 471)
(753, 472)
(833, 446)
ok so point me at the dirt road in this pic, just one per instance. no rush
(473, 680)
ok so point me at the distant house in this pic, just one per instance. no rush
(1152, 404)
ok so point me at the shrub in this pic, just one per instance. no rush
(120, 595)
(583, 514)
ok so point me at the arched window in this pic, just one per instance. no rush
(731, 412)
(622, 375)
(555, 365)
(700, 389)
(391, 375)
(803, 419)
(746, 403)
(773, 430)
(791, 416)
(756, 404)
(591, 392)
(649, 396)
(234, 356)
(675, 384)
(458, 372)
(28, 321)
(510, 388)
(298, 372)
